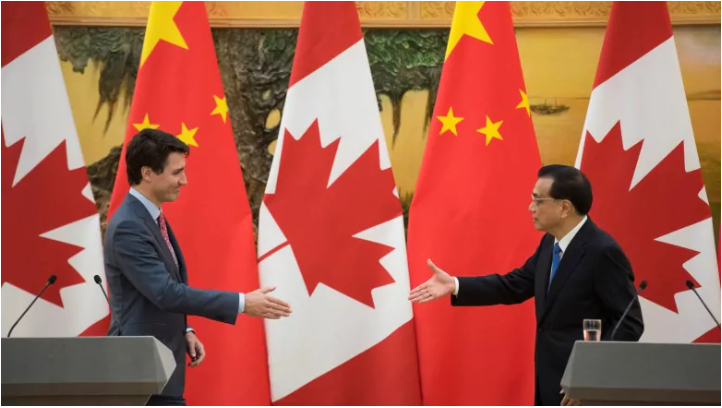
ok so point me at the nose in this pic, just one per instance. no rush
(183, 180)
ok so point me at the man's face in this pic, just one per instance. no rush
(166, 185)
(545, 210)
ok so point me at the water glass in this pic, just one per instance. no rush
(592, 329)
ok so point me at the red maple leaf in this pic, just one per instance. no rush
(48, 197)
(664, 201)
(320, 221)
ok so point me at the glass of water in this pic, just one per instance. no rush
(592, 329)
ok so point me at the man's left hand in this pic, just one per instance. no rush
(566, 402)
(195, 349)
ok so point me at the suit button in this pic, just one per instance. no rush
(540, 330)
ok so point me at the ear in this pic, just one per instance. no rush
(146, 172)
(567, 208)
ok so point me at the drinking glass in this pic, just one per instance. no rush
(592, 329)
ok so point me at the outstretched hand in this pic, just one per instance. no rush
(260, 304)
(441, 284)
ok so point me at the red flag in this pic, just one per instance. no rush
(652, 199)
(179, 90)
(331, 234)
(470, 214)
(51, 222)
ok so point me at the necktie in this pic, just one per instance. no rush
(164, 233)
(556, 258)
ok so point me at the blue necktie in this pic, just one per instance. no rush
(556, 257)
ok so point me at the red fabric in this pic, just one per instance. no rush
(470, 216)
(316, 45)
(647, 22)
(24, 25)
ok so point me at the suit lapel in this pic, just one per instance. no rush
(545, 265)
(570, 259)
(167, 257)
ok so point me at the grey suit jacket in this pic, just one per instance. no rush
(149, 295)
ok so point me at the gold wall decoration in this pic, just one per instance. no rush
(411, 14)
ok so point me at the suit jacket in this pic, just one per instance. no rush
(149, 294)
(594, 280)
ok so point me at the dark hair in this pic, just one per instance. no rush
(150, 148)
(569, 184)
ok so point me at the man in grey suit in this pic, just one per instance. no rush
(146, 273)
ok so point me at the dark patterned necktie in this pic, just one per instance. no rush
(164, 233)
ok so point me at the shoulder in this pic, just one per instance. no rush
(602, 243)
(123, 220)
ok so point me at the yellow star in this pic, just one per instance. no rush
(524, 103)
(162, 27)
(466, 22)
(449, 122)
(187, 136)
(145, 125)
(491, 130)
(221, 107)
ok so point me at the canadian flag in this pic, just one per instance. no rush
(639, 152)
(331, 234)
(51, 225)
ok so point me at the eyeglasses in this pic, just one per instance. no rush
(539, 200)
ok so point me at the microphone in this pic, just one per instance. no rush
(642, 286)
(691, 286)
(50, 281)
(99, 281)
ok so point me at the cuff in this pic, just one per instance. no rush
(456, 286)
(241, 303)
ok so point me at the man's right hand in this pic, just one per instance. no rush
(260, 304)
(440, 285)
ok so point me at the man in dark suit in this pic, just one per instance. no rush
(146, 273)
(577, 272)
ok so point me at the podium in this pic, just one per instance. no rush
(83, 370)
(631, 373)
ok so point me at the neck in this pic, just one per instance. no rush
(147, 194)
(564, 227)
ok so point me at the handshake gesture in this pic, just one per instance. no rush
(441, 284)
(260, 303)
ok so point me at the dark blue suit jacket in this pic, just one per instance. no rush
(594, 280)
(149, 294)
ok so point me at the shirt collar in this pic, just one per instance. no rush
(564, 242)
(153, 209)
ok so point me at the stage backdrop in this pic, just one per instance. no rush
(559, 45)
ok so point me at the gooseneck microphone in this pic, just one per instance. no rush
(50, 281)
(642, 285)
(99, 281)
(691, 286)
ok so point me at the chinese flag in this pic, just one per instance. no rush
(470, 216)
(179, 90)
